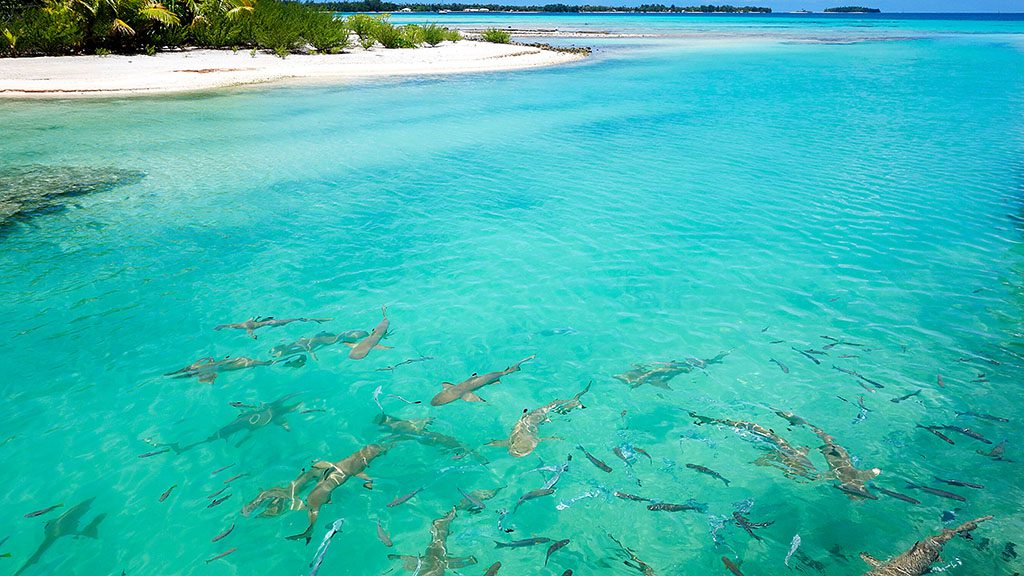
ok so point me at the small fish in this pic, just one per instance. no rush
(167, 493)
(983, 416)
(324, 544)
(783, 367)
(708, 471)
(43, 511)
(640, 450)
(219, 470)
(967, 432)
(806, 354)
(940, 382)
(217, 493)
(522, 543)
(403, 363)
(151, 454)
(218, 501)
(403, 499)
(233, 478)
(960, 483)
(376, 396)
(476, 502)
(934, 430)
(554, 548)
(731, 566)
(594, 460)
(904, 397)
(622, 455)
(383, 535)
(533, 494)
(239, 405)
(626, 496)
(749, 526)
(666, 507)
(776, 341)
(897, 495)
(397, 397)
(937, 492)
(312, 410)
(493, 570)
(221, 555)
(223, 534)
(793, 545)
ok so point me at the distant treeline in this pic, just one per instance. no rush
(845, 9)
(379, 6)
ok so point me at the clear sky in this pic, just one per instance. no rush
(891, 5)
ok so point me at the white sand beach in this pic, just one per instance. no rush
(192, 70)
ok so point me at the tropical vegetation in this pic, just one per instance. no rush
(495, 35)
(54, 27)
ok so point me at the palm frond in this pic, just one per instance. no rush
(158, 12)
(121, 27)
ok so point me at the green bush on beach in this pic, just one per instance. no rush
(496, 36)
(56, 27)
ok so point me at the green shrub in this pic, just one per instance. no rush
(389, 35)
(45, 31)
(279, 26)
(497, 36)
(433, 34)
(452, 35)
(325, 33)
(413, 35)
(362, 25)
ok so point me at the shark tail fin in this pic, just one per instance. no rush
(92, 530)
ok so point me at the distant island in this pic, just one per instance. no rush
(853, 10)
(380, 6)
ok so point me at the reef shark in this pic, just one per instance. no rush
(793, 461)
(331, 474)
(372, 342)
(252, 324)
(525, 435)
(65, 525)
(314, 343)
(417, 430)
(852, 480)
(435, 560)
(249, 419)
(466, 389)
(207, 369)
(664, 371)
(919, 558)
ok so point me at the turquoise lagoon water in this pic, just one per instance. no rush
(666, 199)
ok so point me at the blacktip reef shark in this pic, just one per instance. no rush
(919, 558)
(65, 525)
(525, 435)
(319, 340)
(207, 369)
(372, 342)
(417, 430)
(793, 461)
(331, 475)
(249, 419)
(466, 390)
(664, 371)
(852, 481)
(435, 561)
(255, 323)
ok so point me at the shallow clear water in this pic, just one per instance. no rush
(666, 199)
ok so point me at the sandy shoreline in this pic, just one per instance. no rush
(194, 70)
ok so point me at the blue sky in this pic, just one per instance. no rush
(896, 5)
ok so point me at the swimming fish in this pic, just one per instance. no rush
(383, 535)
(217, 493)
(371, 342)
(554, 548)
(435, 561)
(246, 423)
(223, 534)
(919, 558)
(664, 372)
(206, 370)
(731, 566)
(983, 416)
(937, 492)
(154, 453)
(522, 543)
(996, 453)
(233, 478)
(221, 555)
(858, 376)
(532, 495)
(783, 367)
(632, 497)
(666, 507)
(960, 483)
(218, 501)
(167, 493)
(324, 545)
(402, 499)
(252, 324)
(594, 460)
(403, 363)
(897, 495)
(219, 470)
(793, 545)
(48, 509)
(935, 430)
(466, 390)
(312, 344)
(806, 354)
(967, 432)
(708, 471)
(749, 526)
(905, 397)
(493, 570)
(634, 560)
(477, 503)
